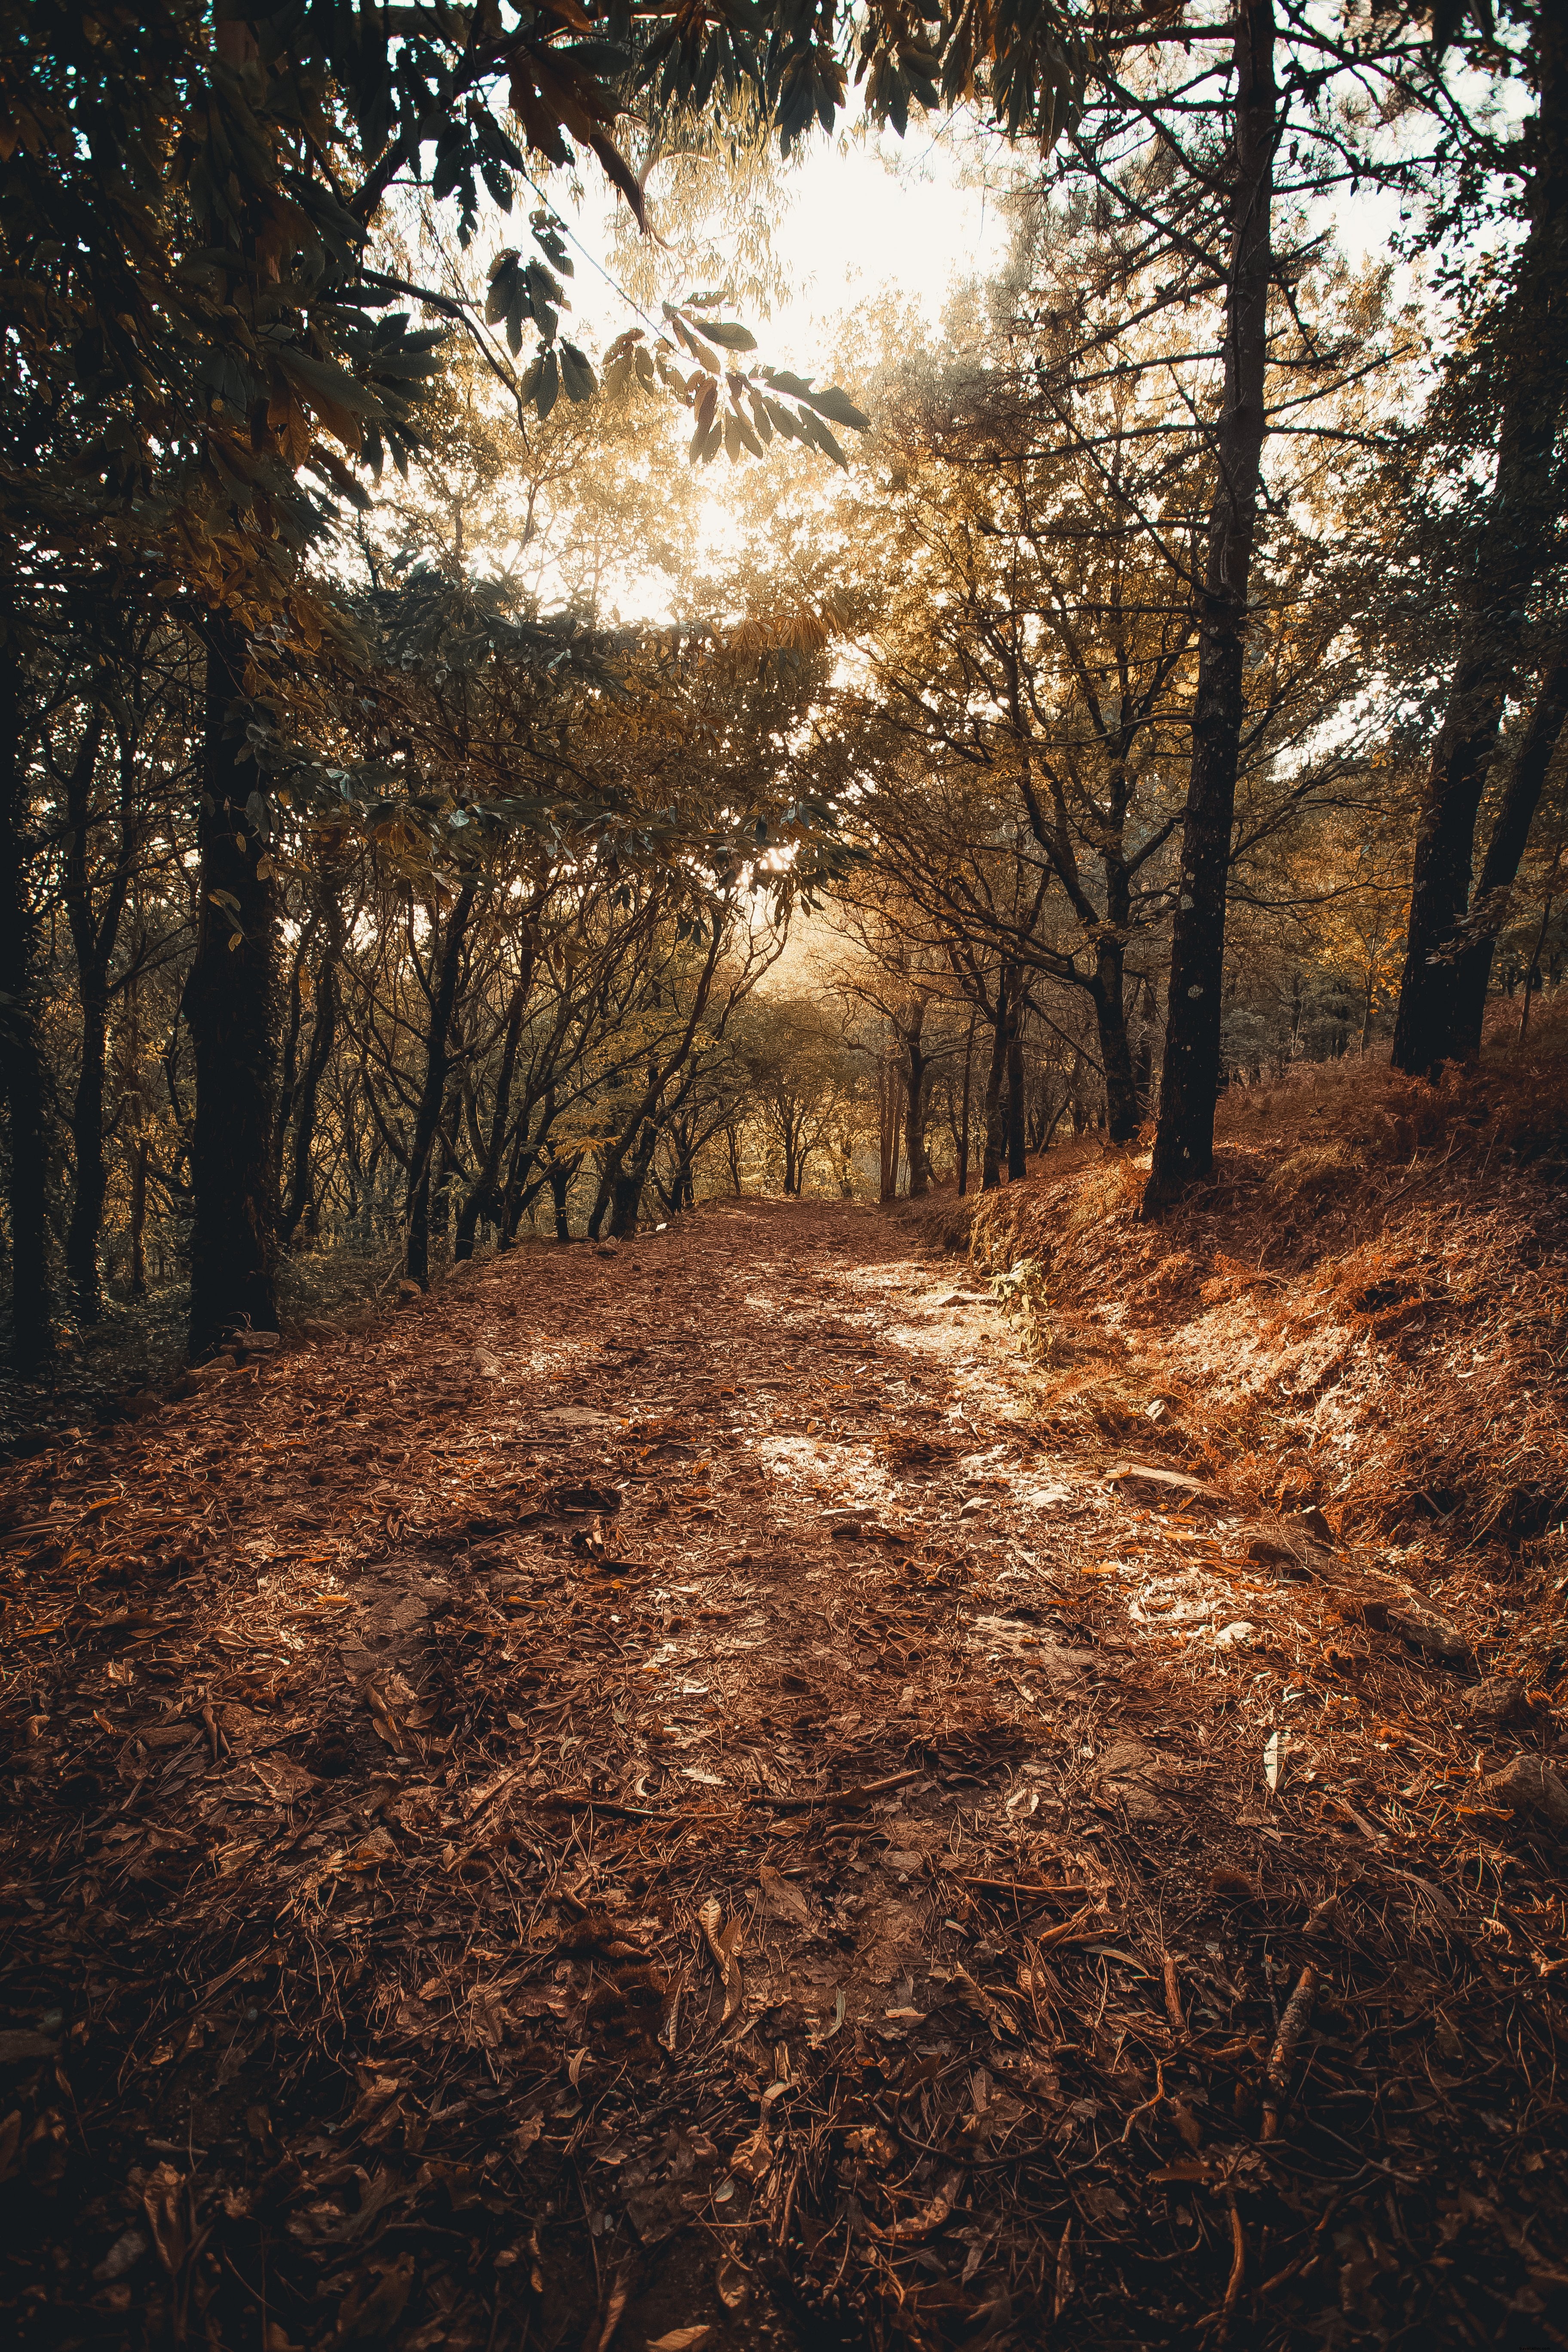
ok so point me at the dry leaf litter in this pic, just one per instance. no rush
(685, 1795)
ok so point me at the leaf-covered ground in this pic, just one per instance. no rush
(643, 1805)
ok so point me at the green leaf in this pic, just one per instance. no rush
(549, 382)
(839, 407)
(577, 377)
(798, 387)
(726, 334)
(813, 430)
(323, 381)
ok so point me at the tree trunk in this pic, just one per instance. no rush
(483, 1199)
(963, 1127)
(91, 1185)
(994, 1147)
(21, 1051)
(138, 1218)
(627, 1189)
(517, 1192)
(433, 1093)
(1434, 1021)
(917, 1070)
(1109, 993)
(323, 1032)
(1189, 1086)
(93, 943)
(1017, 1165)
(231, 1008)
(658, 1076)
(786, 1130)
(1505, 851)
(562, 1171)
(889, 1087)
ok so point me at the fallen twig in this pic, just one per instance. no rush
(1277, 2073)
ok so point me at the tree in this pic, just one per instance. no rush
(1510, 388)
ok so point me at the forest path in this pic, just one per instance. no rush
(649, 1804)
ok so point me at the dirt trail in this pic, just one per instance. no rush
(639, 1800)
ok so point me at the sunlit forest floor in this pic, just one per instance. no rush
(762, 1787)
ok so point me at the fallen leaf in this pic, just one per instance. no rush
(285, 1781)
(930, 2218)
(780, 1900)
(680, 2339)
(375, 2302)
(733, 2283)
(1274, 1758)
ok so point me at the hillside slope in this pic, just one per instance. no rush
(1365, 1313)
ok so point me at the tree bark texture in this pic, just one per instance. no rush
(446, 956)
(299, 1204)
(1017, 1163)
(94, 936)
(968, 1080)
(231, 1009)
(1109, 993)
(659, 1074)
(1189, 1088)
(917, 1072)
(21, 1052)
(1505, 853)
(995, 1142)
(484, 1196)
(1436, 1021)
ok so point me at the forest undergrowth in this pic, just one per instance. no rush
(719, 1792)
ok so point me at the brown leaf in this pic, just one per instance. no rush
(780, 1900)
(753, 2160)
(163, 2201)
(375, 2302)
(732, 2282)
(930, 2219)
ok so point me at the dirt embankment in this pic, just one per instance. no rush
(1366, 1312)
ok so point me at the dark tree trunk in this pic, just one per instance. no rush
(1017, 1165)
(138, 1218)
(1432, 1024)
(786, 1130)
(483, 1197)
(1505, 851)
(963, 1126)
(917, 1071)
(1189, 1087)
(996, 1140)
(562, 1171)
(91, 1185)
(658, 1076)
(433, 1094)
(231, 1008)
(323, 1032)
(93, 939)
(889, 1090)
(21, 1051)
(1109, 993)
(517, 1192)
(628, 1190)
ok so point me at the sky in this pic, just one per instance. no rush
(865, 213)
(868, 213)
